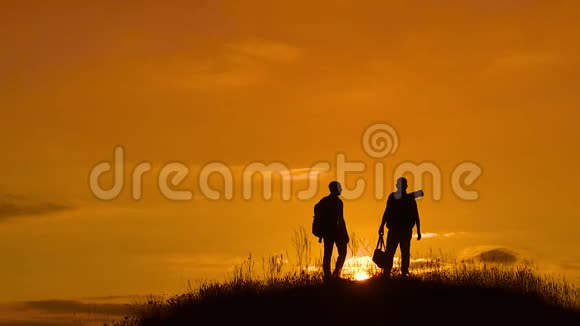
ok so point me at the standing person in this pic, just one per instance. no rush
(334, 230)
(400, 216)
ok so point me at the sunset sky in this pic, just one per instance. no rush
(490, 82)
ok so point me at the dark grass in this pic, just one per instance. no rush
(442, 292)
(429, 298)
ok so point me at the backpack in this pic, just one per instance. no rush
(320, 212)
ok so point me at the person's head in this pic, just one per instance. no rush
(402, 185)
(335, 188)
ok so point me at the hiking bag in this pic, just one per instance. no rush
(380, 256)
(317, 221)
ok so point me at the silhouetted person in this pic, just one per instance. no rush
(334, 230)
(400, 216)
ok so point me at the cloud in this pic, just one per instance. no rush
(33, 323)
(500, 255)
(570, 264)
(526, 68)
(185, 262)
(234, 65)
(16, 206)
(306, 174)
(199, 262)
(273, 52)
(73, 306)
(526, 60)
(113, 298)
(233, 78)
(490, 254)
(61, 312)
(427, 235)
(269, 170)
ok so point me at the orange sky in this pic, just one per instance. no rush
(297, 82)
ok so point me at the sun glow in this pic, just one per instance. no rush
(361, 276)
(358, 268)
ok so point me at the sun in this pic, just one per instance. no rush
(358, 268)
(361, 276)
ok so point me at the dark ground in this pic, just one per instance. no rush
(375, 301)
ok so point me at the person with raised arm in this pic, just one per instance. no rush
(400, 216)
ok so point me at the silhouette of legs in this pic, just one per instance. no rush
(341, 246)
(405, 243)
(394, 239)
(328, 248)
(392, 244)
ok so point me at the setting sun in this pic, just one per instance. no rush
(361, 276)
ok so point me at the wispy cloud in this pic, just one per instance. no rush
(185, 262)
(491, 254)
(73, 306)
(306, 174)
(222, 79)
(426, 235)
(570, 264)
(60, 312)
(235, 65)
(435, 235)
(269, 170)
(273, 52)
(17, 206)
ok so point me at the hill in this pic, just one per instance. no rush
(480, 296)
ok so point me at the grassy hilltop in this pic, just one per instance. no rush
(440, 291)
(461, 296)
